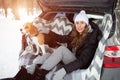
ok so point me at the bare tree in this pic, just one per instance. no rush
(4, 6)
(15, 7)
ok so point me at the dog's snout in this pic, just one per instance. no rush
(22, 31)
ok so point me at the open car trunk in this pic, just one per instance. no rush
(97, 6)
(70, 7)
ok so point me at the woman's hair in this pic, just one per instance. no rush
(77, 37)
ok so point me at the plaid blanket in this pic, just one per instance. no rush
(27, 55)
(27, 59)
(59, 25)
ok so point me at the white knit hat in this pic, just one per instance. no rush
(82, 17)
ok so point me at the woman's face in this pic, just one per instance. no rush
(80, 26)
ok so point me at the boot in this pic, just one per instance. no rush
(8, 79)
(23, 75)
(40, 74)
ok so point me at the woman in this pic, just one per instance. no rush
(81, 46)
(82, 43)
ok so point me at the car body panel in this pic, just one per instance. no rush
(99, 6)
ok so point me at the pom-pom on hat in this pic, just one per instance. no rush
(82, 17)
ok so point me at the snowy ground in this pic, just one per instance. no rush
(10, 45)
(10, 41)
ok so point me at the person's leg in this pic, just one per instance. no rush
(38, 60)
(41, 59)
(60, 54)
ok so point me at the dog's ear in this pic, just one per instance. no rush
(33, 30)
(27, 25)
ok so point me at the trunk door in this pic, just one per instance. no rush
(98, 6)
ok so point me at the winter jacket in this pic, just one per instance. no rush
(85, 52)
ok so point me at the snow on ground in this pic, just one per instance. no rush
(10, 41)
(10, 45)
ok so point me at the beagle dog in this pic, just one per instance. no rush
(33, 32)
(36, 36)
